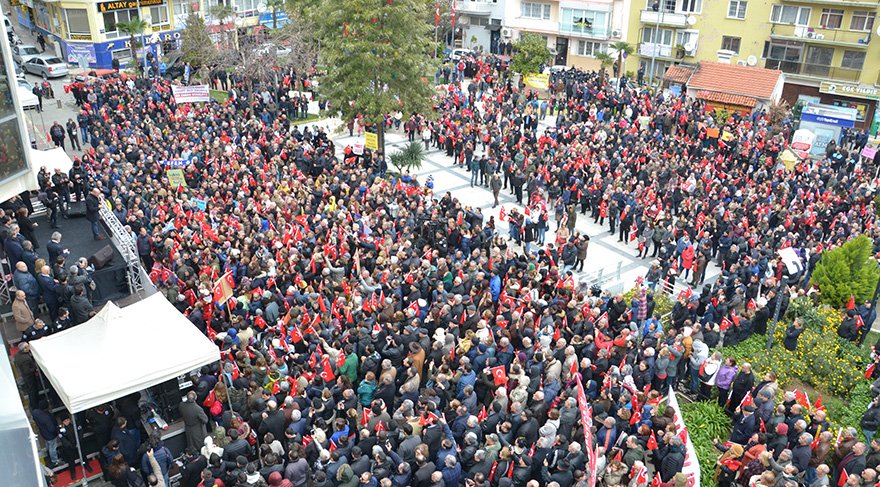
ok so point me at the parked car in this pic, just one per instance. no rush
(108, 74)
(46, 66)
(26, 98)
(269, 48)
(24, 52)
(175, 66)
(457, 54)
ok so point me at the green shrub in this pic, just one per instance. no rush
(664, 302)
(847, 271)
(706, 421)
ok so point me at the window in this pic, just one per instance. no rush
(587, 48)
(687, 38)
(159, 16)
(790, 14)
(783, 55)
(585, 22)
(831, 18)
(731, 43)
(692, 6)
(736, 9)
(77, 21)
(246, 8)
(862, 20)
(535, 11)
(121, 54)
(115, 17)
(853, 60)
(654, 36)
(182, 8)
(818, 60)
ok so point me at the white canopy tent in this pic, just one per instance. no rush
(19, 459)
(50, 159)
(121, 351)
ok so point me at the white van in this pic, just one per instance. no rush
(8, 23)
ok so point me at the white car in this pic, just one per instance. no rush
(269, 48)
(457, 54)
(26, 98)
(23, 53)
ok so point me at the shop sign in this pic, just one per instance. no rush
(845, 89)
(127, 4)
(80, 37)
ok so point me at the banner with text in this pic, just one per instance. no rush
(191, 94)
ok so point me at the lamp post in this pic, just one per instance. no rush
(658, 8)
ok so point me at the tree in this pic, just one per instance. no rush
(222, 12)
(605, 62)
(274, 5)
(847, 271)
(409, 158)
(196, 45)
(530, 52)
(377, 55)
(133, 28)
(623, 49)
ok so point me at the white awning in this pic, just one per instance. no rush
(121, 351)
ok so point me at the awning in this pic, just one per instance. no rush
(121, 351)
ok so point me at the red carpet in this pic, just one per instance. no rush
(63, 477)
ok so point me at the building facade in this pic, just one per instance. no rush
(826, 48)
(85, 31)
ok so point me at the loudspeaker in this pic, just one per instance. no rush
(102, 257)
(77, 208)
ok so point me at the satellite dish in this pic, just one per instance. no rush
(752, 60)
(262, 8)
(691, 20)
(689, 47)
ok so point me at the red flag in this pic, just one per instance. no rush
(340, 359)
(656, 482)
(327, 373)
(635, 418)
(365, 416)
(734, 318)
(747, 400)
(296, 335)
(500, 375)
(752, 304)
(818, 406)
(380, 426)
(859, 322)
(642, 476)
(483, 415)
(851, 304)
(502, 215)
(414, 306)
(574, 368)
(236, 373)
(686, 294)
(619, 456)
(321, 305)
(870, 371)
(556, 334)
(802, 399)
(844, 477)
(212, 335)
(652, 442)
(725, 324)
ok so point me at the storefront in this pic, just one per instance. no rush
(827, 123)
(862, 98)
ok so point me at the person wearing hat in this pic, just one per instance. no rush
(744, 425)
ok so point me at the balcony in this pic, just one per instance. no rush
(836, 3)
(670, 19)
(600, 32)
(818, 35)
(650, 49)
(471, 7)
(808, 70)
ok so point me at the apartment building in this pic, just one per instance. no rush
(575, 31)
(825, 47)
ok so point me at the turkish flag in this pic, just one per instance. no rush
(296, 335)
(500, 375)
(327, 374)
(652, 442)
(747, 400)
(483, 415)
(635, 418)
(844, 477)
(752, 304)
(870, 371)
(365, 416)
(851, 304)
(725, 324)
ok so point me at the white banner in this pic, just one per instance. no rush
(191, 94)
(691, 464)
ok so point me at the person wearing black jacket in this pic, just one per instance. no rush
(871, 419)
(93, 204)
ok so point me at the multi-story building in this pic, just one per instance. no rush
(575, 30)
(480, 24)
(87, 29)
(825, 47)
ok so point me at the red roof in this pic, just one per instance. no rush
(678, 74)
(733, 79)
(727, 98)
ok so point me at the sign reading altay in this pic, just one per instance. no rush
(127, 4)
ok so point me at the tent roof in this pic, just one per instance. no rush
(121, 351)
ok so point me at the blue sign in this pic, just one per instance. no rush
(200, 204)
(827, 120)
(175, 163)
(280, 18)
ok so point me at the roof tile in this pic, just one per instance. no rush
(733, 79)
(727, 98)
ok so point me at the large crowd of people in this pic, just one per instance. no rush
(379, 334)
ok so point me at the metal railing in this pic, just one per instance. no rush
(816, 70)
(820, 35)
(125, 243)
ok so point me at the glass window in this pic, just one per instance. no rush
(831, 18)
(182, 8)
(654, 36)
(790, 14)
(159, 15)
(77, 21)
(588, 48)
(692, 6)
(111, 19)
(248, 8)
(853, 59)
(585, 22)
(731, 43)
(737, 9)
(862, 20)
(783, 55)
(535, 10)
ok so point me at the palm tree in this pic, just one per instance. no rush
(274, 5)
(605, 61)
(221, 12)
(409, 158)
(133, 28)
(623, 49)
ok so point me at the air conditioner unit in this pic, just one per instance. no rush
(506, 32)
(819, 36)
(615, 34)
(811, 35)
(741, 63)
(801, 31)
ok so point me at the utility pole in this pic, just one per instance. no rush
(658, 8)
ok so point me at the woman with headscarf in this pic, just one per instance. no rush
(210, 448)
(728, 465)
